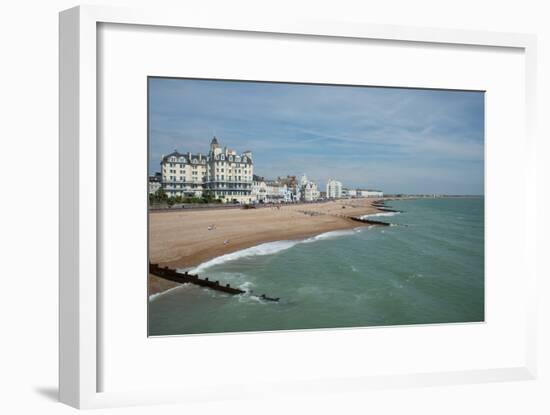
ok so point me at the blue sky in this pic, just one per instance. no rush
(394, 139)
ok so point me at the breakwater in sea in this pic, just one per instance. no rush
(188, 278)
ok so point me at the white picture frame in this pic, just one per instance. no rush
(78, 379)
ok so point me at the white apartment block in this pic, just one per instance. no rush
(223, 172)
(334, 189)
(369, 193)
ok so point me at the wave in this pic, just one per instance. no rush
(268, 248)
(327, 235)
(156, 295)
(372, 215)
(386, 209)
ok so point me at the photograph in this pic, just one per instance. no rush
(294, 206)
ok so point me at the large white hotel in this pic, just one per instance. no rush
(225, 173)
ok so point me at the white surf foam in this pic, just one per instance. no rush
(327, 235)
(372, 215)
(157, 295)
(268, 248)
(246, 286)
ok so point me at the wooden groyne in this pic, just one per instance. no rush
(369, 221)
(381, 205)
(187, 278)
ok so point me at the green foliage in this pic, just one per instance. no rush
(162, 198)
(208, 197)
(159, 197)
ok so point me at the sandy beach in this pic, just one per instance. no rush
(185, 238)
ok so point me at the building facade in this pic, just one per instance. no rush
(369, 193)
(334, 189)
(155, 183)
(259, 190)
(353, 193)
(223, 173)
(271, 191)
(308, 191)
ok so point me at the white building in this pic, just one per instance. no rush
(155, 183)
(308, 191)
(223, 172)
(287, 193)
(369, 193)
(290, 189)
(259, 190)
(334, 189)
(278, 192)
(272, 191)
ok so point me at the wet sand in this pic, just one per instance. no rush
(182, 238)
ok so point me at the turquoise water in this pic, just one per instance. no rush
(428, 268)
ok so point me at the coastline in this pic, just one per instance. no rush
(184, 239)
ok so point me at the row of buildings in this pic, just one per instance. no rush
(284, 189)
(335, 190)
(353, 193)
(229, 176)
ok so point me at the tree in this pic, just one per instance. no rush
(208, 196)
(158, 197)
(161, 195)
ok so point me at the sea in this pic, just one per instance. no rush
(426, 268)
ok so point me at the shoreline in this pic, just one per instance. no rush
(185, 239)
